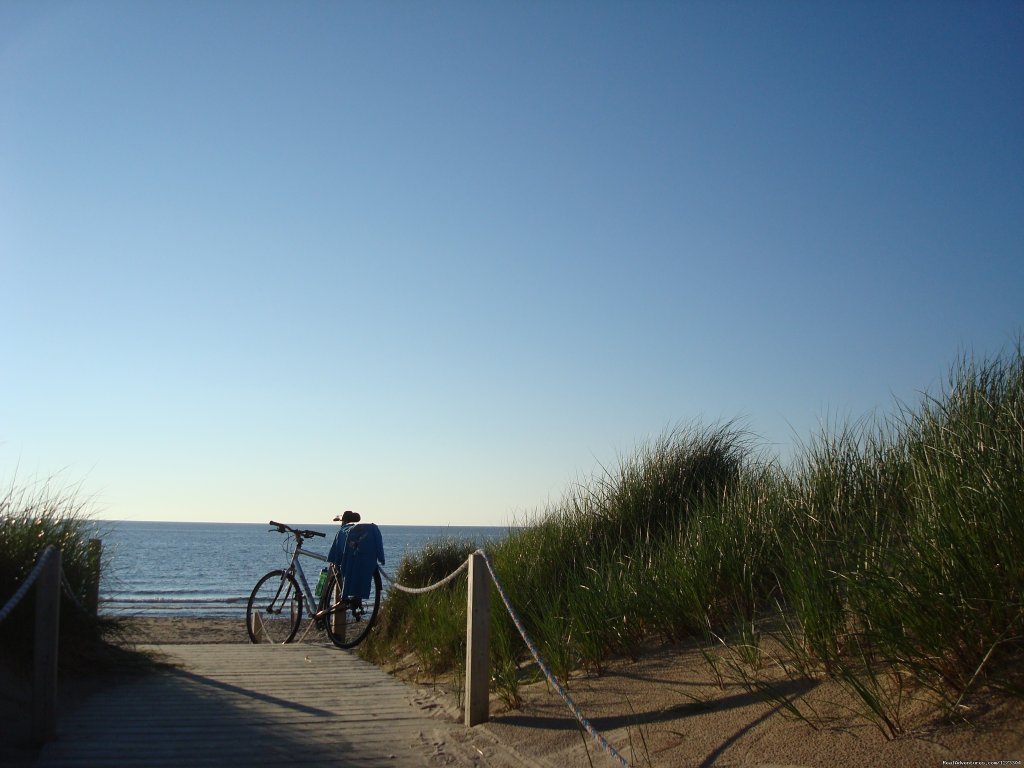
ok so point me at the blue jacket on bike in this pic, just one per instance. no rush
(356, 551)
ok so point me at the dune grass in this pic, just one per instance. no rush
(887, 556)
(32, 517)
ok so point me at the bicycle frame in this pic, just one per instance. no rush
(295, 569)
(318, 606)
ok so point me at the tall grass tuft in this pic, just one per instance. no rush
(962, 554)
(888, 555)
(904, 554)
(33, 517)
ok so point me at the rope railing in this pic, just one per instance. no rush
(30, 580)
(429, 587)
(401, 588)
(49, 580)
(69, 592)
(531, 646)
(27, 584)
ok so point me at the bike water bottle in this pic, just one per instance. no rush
(320, 583)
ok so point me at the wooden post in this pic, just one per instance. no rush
(92, 593)
(478, 639)
(44, 689)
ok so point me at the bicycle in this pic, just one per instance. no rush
(274, 611)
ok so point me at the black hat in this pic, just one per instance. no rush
(348, 517)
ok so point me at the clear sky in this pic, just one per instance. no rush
(435, 261)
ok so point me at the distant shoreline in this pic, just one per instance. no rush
(301, 524)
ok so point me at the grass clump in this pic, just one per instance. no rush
(431, 626)
(904, 565)
(887, 556)
(33, 517)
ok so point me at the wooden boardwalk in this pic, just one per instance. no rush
(252, 705)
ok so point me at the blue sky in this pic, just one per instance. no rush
(437, 261)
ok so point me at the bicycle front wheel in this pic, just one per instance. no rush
(275, 609)
(350, 619)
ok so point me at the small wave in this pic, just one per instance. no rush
(178, 611)
(185, 600)
(192, 591)
(209, 607)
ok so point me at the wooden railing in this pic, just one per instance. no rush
(45, 581)
(44, 655)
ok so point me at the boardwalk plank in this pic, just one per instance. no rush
(253, 706)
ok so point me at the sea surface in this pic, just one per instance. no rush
(209, 569)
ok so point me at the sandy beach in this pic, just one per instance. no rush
(668, 707)
(160, 631)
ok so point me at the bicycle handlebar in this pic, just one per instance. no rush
(282, 528)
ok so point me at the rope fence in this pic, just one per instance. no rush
(428, 588)
(27, 584)
(583, 721)
(76, 601)
(49, 580)
(531, 646)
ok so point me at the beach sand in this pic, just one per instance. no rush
(159, 631)
(668, 707)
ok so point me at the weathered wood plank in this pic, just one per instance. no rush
(251, 705)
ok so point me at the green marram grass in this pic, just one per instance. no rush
(887, 555)
(32, 517)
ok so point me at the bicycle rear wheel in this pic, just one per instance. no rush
(349, 620)
(275, 609)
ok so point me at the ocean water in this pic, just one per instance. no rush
(209, 569)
